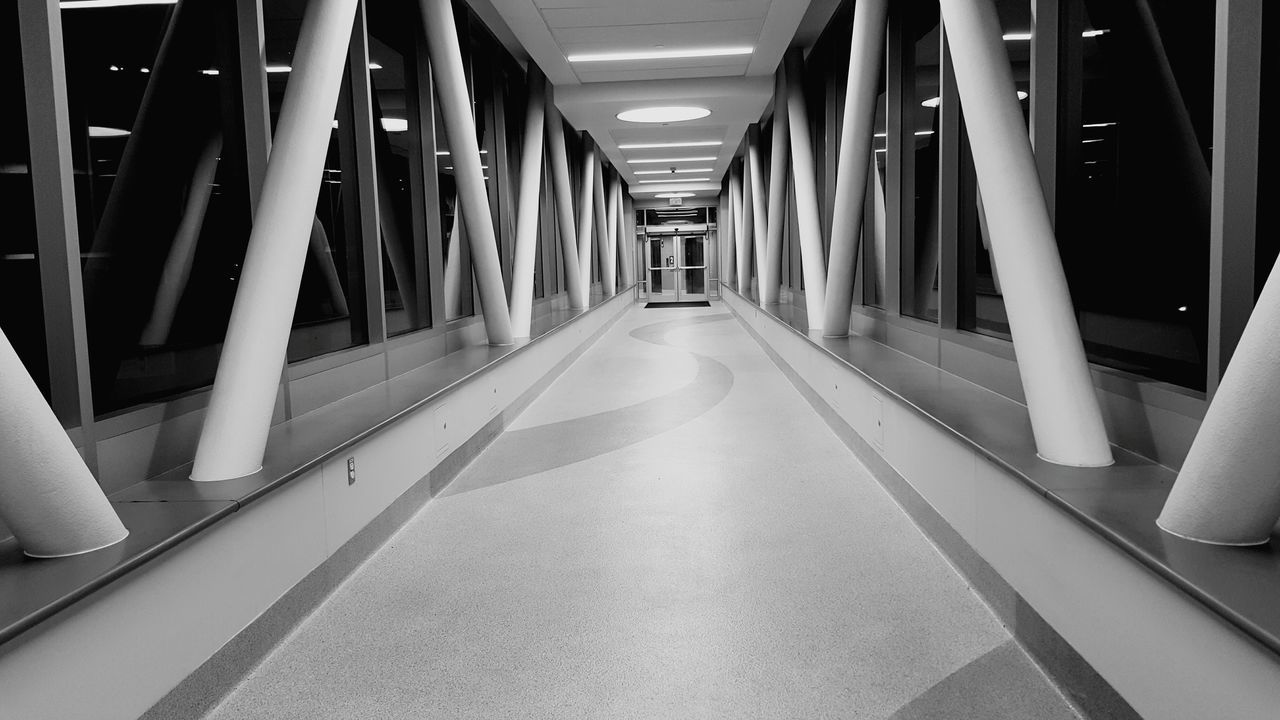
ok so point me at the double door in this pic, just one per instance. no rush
(677, 268)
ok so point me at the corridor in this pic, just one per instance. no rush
(669, 531)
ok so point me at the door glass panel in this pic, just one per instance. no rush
(693, 252)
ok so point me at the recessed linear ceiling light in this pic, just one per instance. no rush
(934, 102)
(96, 131)
(668, 182)
(650, 161)
(663, 114)
(1098, 125)
(388, 124)
(446, 152)
(289, 68)
(74, 4)
(625, 55)
(668, 172)
(1017, 36)
(675, 195)
(651, 146)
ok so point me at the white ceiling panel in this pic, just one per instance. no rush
(736, 89)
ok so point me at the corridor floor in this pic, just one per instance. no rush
(669, 531)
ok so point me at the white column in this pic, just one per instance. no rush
(627, 243)
(586, 195)
(182, 253)
(812, 263)
(779, 156)
(234, 436)
(527, 207)
(611, 220)
(746, 221)
(608, 270)
(735, 226)
(453, 266)
(866, 52)
(460, 127)
(759, 219)
(48, 498)
(1228, 492)
(558, 159)
(1061, 400)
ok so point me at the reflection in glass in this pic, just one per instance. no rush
(329, 314)
(1267, 234)
(392, 62)
(982, 301)
(1133, 225)
(875, 225)
(161, 190)
(20, 300)
(921, 120)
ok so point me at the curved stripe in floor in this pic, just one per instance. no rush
(1001, 684)
(520, 453)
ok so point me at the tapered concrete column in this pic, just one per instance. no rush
(558, 159)
(1228, 492)
(627, 238)
(608, 268)
(866, 52)
(48, 498)
(812, 262)
(244, 392)
(323, 254)
(759, 200)
(747, 220)
(586, 215)
(779, 163)
(527, 206)
(1060, 396)
(182, 253)
(879, 234)
(611, 220)
(741, 234)
(735, 226)
(453, 266)
(460, 128)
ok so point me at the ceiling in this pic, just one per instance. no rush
(736, 89)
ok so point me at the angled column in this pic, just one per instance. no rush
(1061, 400)
(746, 232)
(866, 51)
(453, 266)
(527, 206)
(558, 164)
(48, 497)
(812, 262)
(608, 268)
(611, 219)
(734, 232)
(460, 128)
(1228, 491)
(759, 200)
(779, 157)
(586, 214)
(234, 436)
(627, 237)
(182, 253)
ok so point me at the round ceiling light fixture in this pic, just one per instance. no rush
(675, 195)
(664, 114)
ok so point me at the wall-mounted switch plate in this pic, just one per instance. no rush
(351, 471)
(877, 415)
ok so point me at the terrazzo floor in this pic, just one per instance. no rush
(669, 531)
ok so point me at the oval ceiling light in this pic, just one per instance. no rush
(664, 114)
(675, 195)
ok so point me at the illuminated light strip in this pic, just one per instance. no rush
(80, 4)
(678, 170)
(709, 158)
(1014, 36)
(660, 54)
(1098, 125)
(652, 146)
(668, 182)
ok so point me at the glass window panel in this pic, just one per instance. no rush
(161, 190)
(398, 147)
(20, 300)
(875, 225)
(329, 315)
(920, 297)
(1267, 233)
(1133, 225)
(981, 300)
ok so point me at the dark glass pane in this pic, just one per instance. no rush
(161, 190)
(1268, 234)
(875, 225)
(1133, 226)
(695, 281)
(678, 215)
(920, 298)
(981, 300)
(398, 147)
(20, 301)
(329, 315)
